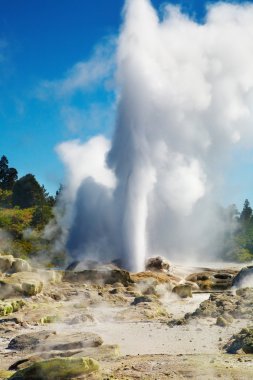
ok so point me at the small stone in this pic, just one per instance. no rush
(222, 322)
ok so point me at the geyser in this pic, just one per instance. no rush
(184, 100)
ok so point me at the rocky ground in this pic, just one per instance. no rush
(105, 323)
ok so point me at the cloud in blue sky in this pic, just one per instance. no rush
(85, 95)
(83, 76)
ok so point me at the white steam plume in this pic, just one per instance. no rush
(185, 98)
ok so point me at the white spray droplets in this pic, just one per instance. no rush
(185, 98)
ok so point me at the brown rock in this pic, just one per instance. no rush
(20, 265)
(99, 276)
(6, 263)
(160, 277)
(183, 290)
(213, 279)
(157, 264)
(29, 341)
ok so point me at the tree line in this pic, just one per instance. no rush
(243, 233)
(17, 194)
(24, 192)
(24, 204)
(25, 209)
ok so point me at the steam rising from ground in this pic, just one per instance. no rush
(185, 98)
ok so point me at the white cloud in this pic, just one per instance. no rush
(83, 75)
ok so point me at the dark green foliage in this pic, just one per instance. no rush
(27, 192)
(15, 221)
(41, 216)
(242, 238)
(8, 176)
(242, 255)
(59, 193)
(5, 198)
(236, 233)
(49, 199)
(246, 214)
(25, 209)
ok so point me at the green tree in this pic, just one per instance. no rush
(41, 216)
(5, 198)
(58, 193)
(27, 192)
(8, 176)
(50, 200)
(246, 213)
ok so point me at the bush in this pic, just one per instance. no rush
(242, 255)
(5, 198)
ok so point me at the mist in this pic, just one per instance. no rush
(184, 103)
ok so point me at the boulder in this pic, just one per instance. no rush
(225, 307)
(143, 311)
(157, 263)
(193, 285)
(241, 341)
(183, 290)
(21, 283)
(141, 299)
(213, 279)
(6, 263)
(32, 288)
(99, 276)
(244, 278)
(51, 341)
(222, 322)
(20, 265)
(73, 341)
(159, 277)
(29, 341)
(104, 352)
(58, 368)
(8, 290)
(5, 374)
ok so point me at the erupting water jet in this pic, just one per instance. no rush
(185, 99)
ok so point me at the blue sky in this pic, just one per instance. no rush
(41, 42)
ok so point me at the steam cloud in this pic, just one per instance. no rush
(185, 99)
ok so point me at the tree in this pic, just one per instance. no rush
(5, 198)
(50, 200)
(41, 216)
(246, 213)
(27, 192)
(8, 176)
(3, 166)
